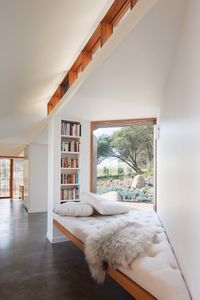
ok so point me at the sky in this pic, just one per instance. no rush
(110, 162)
(107, 131)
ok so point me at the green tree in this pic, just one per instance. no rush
(120, 171)
(103, 148)
(132, 145)
(105, 171)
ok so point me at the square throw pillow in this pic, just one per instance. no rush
(104, 206)
(74, 209)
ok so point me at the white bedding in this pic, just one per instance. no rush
(156, 270)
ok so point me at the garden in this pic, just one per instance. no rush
(125, 163)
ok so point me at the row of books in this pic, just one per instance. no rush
(70, 146)
(69, 162)
(70, 129)
(69, 178)
(71, 194)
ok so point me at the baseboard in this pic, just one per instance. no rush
(57, 239)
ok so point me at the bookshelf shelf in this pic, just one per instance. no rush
(70, 136)
(70, 159)
(69, 169)
(69, 152)
(70, 184)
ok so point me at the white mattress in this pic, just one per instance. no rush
(155, 270)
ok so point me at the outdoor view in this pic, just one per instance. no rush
(5, 177)
(17, 176)
(125, 162)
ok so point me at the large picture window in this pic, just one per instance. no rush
(124, 161)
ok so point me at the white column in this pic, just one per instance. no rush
(53, 234)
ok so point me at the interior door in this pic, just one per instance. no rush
(5, 181)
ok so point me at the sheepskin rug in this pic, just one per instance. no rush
(116, 245)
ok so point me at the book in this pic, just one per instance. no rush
(70, 129)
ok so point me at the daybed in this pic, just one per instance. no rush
(154, 274)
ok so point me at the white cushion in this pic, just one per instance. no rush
(74, 209)
(104, 206)
(156, 270)
(113, 195)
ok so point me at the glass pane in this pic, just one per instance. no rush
(125, 164)
(18, 176)
(4, 177)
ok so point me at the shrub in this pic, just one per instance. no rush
(130, 194)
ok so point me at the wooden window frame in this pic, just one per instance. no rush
(118, 123)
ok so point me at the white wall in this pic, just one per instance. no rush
(38, 176)
(179, 151)
(12, 149)
(36, 172)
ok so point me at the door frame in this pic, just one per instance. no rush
(121, 123)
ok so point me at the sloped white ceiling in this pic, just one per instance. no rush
(39, 41)
(12, 149)
(131, 81)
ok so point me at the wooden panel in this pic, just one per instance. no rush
(58, 94)
(114, 9)
(77, 63)
(86, 58)
(106, 31)
(55, 98)
(93, 41)
(68, 234)
(65, 84)
(11, 178)
(98, 38)
(72, 77)
(130, 286)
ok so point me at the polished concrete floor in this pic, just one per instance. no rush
(33, 269)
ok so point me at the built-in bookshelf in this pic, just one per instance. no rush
(70, 160)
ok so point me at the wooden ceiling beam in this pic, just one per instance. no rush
(106, 31)
(72, 76)
(94, 40)
(115, 9)
(86, 57)
(102, 33)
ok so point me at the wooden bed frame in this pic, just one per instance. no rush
(129, 285)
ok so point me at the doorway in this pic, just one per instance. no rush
(11, 177)
(123, 161)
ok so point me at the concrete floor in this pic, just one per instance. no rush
(33, 269)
